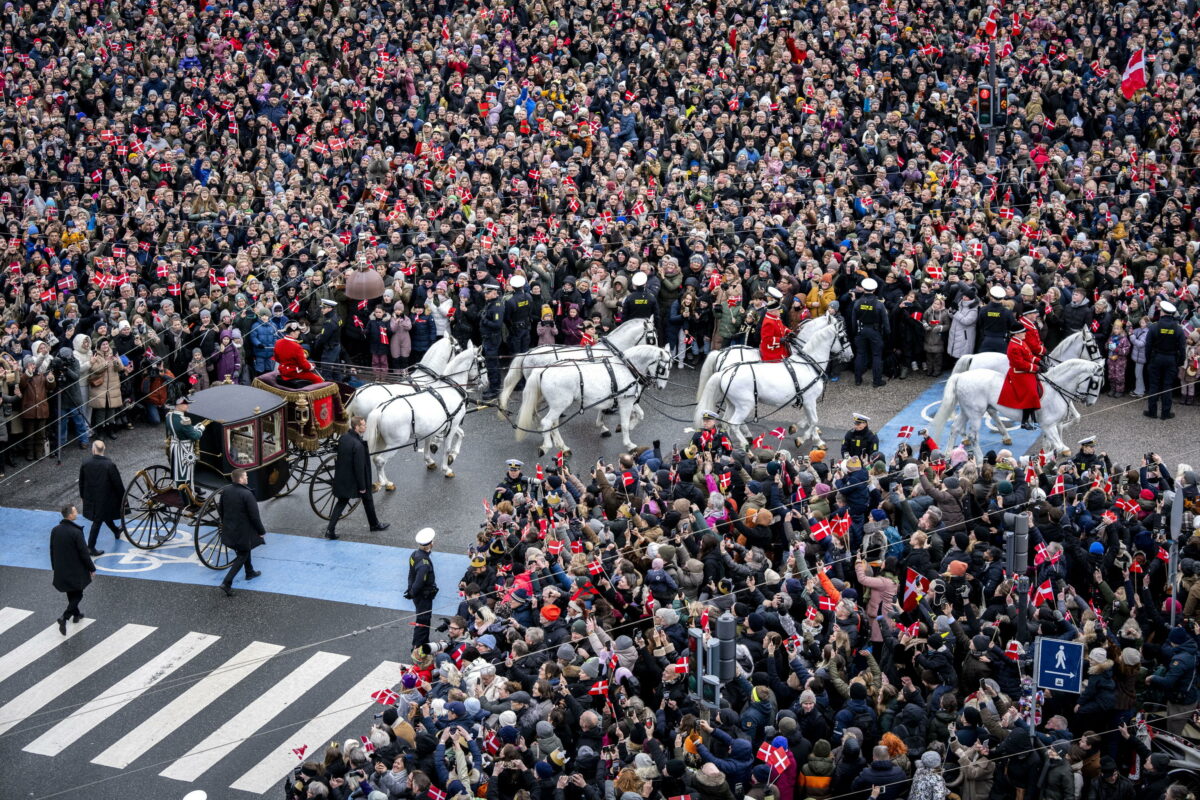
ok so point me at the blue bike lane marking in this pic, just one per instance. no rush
(299, 566)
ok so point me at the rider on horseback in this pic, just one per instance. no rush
(773, 339)
(1021, 383)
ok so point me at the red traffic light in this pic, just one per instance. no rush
(985, 94)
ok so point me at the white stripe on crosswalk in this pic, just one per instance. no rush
(173, 715)
(23, 655)
(11, 616)
(123, 692)
(67, 676)
(253, 717)
(265, 775)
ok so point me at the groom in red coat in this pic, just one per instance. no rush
(291, 358)
(772, 340)
(1021, 383)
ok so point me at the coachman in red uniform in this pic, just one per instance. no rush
(1033, 337)
(291, 358)
(1021, 383)
(772, 340)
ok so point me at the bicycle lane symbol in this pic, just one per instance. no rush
(145, 560)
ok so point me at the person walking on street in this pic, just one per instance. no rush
(73, 567)
(101, 488)
(422, 586)
(352, 478)
(1166, 347)
(241, 527)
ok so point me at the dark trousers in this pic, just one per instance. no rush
(868, 343)
(73, 600)
(242, 560)
(1160, 381)
(424, 609)
(518, 340)
(491, 360)
(113, 525)
(368, 501)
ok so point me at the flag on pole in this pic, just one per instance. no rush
(385, 697)
(1044, 594)
(905, 432)
(1134, 78)
(915, 587)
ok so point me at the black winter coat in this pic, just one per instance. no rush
(69, 558)
(101, 488)
(352, 470)
(241, 525)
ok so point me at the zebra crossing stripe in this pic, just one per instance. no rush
(172, 716)
(67, 676)
(339, 714)
(123, 692)
(253, 717)
(43, 642)
(11, 616)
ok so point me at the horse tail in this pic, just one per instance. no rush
(949, 401)
(530, 400)
(373, 433)
(962, 365)
(706, 371)
(511, 379)
(705, 401)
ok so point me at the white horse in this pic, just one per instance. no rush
(977, 392)
(431, 367)
(798, 379)
(1078, 345)
(428, 414)
(630, 333)
(593, 385)
(717, 360)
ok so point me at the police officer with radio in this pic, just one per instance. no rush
(518, 311)
(491, 326)
(871, 319)
(860, 441)
(995, 321)
(422, 586)
(1165, 351)
(639, 303)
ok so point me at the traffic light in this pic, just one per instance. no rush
(985, 112)
(1002, 102)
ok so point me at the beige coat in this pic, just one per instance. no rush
(108, 393)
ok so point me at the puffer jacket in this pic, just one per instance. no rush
(816, 775)
(741, 757)
(949, 502)
(1100, 692)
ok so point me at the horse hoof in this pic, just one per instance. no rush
(799, 442)
(374, 487)
(431, 467)
(1006, 441)
(792, 429)
(541, 452)
(605, 434)
(391, 487)
(566, 451)
(433, 448)
(450, 459)
(449, 473)
(618, 429)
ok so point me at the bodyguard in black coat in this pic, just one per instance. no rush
(352, 477)
(101, 488)
(241, 527)
(73, 567)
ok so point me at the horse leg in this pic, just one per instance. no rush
(1004, 434)
(604, 431)
(636, 416)
(625, 411)
(975, 423)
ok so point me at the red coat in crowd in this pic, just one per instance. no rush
(773, 342)
(1021, 383)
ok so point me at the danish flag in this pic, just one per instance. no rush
(826, 603)
(810, 614)
(915, 587)
(595, 568)
(599, 688)
(905, 432)
(554, 547)
(681, 665)
(1127, 505)
(1044, 594)
(1058, 487)
(539, 474)
(779, 433)
(821, 530)
(300, 751)
(1013, 650)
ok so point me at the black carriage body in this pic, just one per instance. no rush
(246, 429)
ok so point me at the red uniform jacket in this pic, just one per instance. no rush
(772, 344)
(1021, 383)
(293, 364)
(1033, 339)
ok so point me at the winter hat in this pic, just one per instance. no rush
(957, 569)
(676, 768)
(543, 770)
(544, 728)
(931, 760)
(1098, 655)
(780, 741)
(1096, 547)
(761, 774)
(565, 653)
(821, 748)
(858, 691)
(878, 514)
(1177, 636)
(807, 696)
(1131, 657)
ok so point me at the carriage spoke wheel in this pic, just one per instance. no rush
(207, 535)
(147, 515)
(300, 465)
(320, 491)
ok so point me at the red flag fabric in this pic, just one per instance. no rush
(826, 603)
(905, 432)
(779, 433)
(554, 546)
(704, 620)
(385, 697)
(1044, 594)
(1134, 78)
(1059, 487)
(539, 474)
(764, 752)
(915, 586)
(300, 751)
(599, 688)
(1013, 650)
(1030, 475)
(821, 530)
(810, 614)
(681, 665)
(595, 568)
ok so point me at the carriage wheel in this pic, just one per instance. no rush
(320, 491)
(299, 469)
(150, 508)
(207, 535)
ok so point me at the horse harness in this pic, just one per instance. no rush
(1094, 384)
(444, 429)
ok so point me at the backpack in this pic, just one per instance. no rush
(896, 544)
(864, 720)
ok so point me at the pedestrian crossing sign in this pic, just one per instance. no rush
(1058, 665)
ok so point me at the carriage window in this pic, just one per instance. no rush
(239, 445)
(272, 435)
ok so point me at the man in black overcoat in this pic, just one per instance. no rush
(101, 488)
(352, 478)
(73, 567)
(241, 527)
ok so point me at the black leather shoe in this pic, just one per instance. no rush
(62, 625)
(331, 535)
(1149, 414)
(253, 574)
(383, 526)
(77, 618)
(227, 589)
(1168, 415)
(93, 552)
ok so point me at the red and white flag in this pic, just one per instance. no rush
(1044, 594)
(300, 751)
(821, 530)
(599, 688)
(681, 665)
(385, 697)
(1134, 77)
(779, 433)
(1059, 487)
(1013, 650)
(915, 587)
(826, 603)
(905, 432)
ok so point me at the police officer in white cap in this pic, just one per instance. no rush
(1166, 348)
(639, 303)
(995, 321)
(422, 585)
(872, 326)
(518, 314)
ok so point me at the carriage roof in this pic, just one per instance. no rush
(228, 404)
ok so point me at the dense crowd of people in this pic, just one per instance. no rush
(181, 182)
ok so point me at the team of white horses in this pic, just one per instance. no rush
(427, 407)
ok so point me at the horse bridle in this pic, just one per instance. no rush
(1093, 380)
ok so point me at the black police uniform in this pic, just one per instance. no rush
(510, 486)
(639, 304)
(491, 327)
(871, 317)
(859, 443)
(518, 312)
(1090, 461)
(995, 321)
(422, 589)
(1165, 351)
